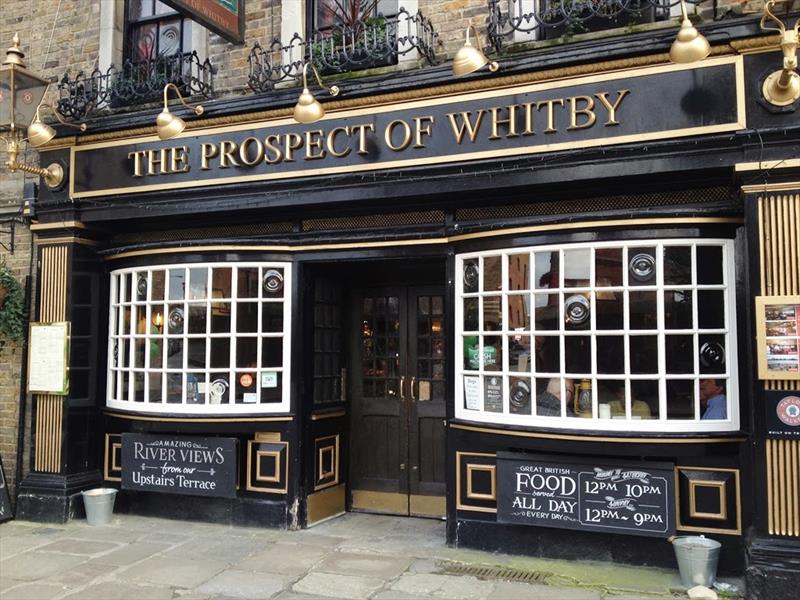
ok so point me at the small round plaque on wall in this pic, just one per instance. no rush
(788, 410)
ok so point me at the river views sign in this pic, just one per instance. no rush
(636, 499)
(193, 466)
(631, 106)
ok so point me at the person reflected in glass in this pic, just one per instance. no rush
(615, 398)
(548, 403)
(713, 401)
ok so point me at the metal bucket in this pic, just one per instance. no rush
(99, 504)
(697, 560)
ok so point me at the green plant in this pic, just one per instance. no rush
(12, 306)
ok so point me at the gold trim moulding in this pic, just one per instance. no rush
(59, 225)
(784, 186)
(721, 486)
(435, 241)
(328, 415)
(492, 470)
(768, 165)
(132, 417)
(561, 75)
(590, 438)
(40, 241)
(459, 504)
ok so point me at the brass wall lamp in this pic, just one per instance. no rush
(167, 124)
(782, 87)
(469, 59)
(308, 109)
(21, 94)
(690, 45)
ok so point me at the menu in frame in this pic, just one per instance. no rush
(48, 358)
(778, 327)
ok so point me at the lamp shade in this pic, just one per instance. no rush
(20, 90)
(308, 109)
(689, 46)
(40, 133)
(168, 125)
(469, 59)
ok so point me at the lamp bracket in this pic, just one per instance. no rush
(53, 175)
(782, 87)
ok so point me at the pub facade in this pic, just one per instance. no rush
(555, 303)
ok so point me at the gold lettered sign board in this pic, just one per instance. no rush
(48, 358)
(624, 107)
(778, 335)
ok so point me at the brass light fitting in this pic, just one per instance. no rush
(21, 94)
(782, 87)
(40, 133)
(690, 45)
(469, 59)
(167, 124)
(308, 109)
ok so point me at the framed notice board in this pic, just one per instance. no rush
(778, 337)
(48, 358)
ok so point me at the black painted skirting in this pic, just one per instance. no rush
(773, 569)
(52, 498)
(582, 545)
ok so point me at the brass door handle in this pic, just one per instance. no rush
(402, 388)
(402, 466)
(411, 389)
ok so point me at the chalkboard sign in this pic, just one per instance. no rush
(5, 499)
(193, 466)
(636, 499)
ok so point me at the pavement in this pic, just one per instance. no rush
(353, 556)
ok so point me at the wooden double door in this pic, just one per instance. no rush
(397, 457)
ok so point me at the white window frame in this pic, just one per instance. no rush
(659, 425)
(232, 371)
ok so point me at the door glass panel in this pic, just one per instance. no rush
(380, 330)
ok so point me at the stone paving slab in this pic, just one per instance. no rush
(452, 587)
(31, 566)
(80, 547)
(115, 590)
(81, 575)
(127, 555)
(34, 591)
(367, 565)
(230, 549)
(176, 572)
(338, 586)
(244, 584)
(283, 559)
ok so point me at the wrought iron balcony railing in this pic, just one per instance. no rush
(531, 20)
(371, 42)
(134, 83)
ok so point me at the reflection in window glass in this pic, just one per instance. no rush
(619, 333)
(188, 348)
(492, 273)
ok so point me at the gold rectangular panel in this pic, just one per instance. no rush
(460, 505)
(325, 504)
(471, 493)
(721, 486)
(382, 502)
(427, 506)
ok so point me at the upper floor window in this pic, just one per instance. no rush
(200, 338)
(154, 29)
(326, 13)
(615, 336)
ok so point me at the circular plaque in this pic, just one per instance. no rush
(273, 282)
(471, 274)
(246, 380)
(642, 267)
(576, 310)
(712, 355)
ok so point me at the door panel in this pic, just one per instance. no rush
(398, 403)
(427, 406)
(378, 425)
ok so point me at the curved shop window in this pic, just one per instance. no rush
(633, 336)
(200, 338)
